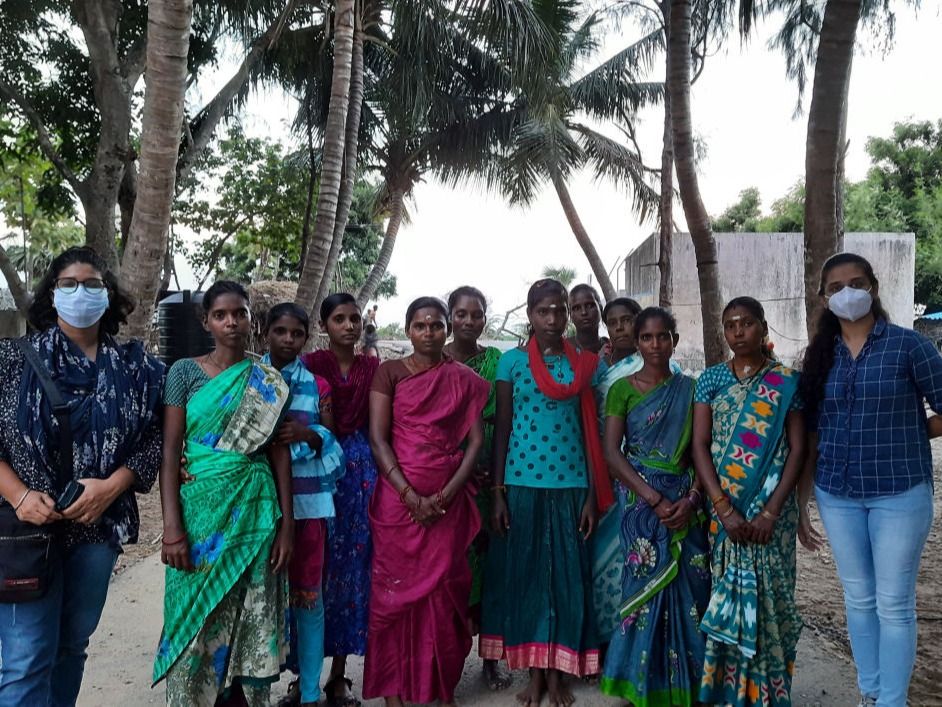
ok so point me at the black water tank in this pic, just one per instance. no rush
(181, 331)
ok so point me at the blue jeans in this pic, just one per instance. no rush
(877, 543)
(43, 642)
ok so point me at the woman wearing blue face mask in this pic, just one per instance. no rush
(864, 381)
(112, 392)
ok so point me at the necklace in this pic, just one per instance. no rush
(747, 371)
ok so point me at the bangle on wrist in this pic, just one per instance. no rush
(22, 498)
(719, 498)
(767, 514)
(391, 469)
(696, 491)
(728, 512)
(693, 504)
(656, 503)
(499, 487)
(405, 492)
(168, 543)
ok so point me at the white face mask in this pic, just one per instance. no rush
(81, 308)
(850, 303)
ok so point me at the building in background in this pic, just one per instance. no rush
(769, 267)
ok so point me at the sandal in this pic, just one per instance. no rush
(338, 692)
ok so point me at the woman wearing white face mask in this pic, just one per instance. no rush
(111, 391)
(864, 381)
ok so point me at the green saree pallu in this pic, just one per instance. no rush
(230, 508)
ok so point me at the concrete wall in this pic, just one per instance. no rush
(769, 267)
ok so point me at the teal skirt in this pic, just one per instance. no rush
(537, 609)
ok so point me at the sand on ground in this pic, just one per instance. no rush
(121, 653)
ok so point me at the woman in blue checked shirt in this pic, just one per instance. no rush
(864, 381)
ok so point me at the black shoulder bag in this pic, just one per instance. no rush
(27, 551)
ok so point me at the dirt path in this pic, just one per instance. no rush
(121, 654)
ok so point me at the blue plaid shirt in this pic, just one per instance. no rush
(872, 437)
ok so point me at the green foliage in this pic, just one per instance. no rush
(743, 216)
(245, 202)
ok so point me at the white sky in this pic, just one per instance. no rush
(742, 108)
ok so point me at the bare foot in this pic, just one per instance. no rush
(496, 678)
(559, 694)
(394, 701)
(535, 689)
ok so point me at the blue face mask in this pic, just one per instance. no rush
(81, 308)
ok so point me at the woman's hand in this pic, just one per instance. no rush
(678, 513)
(292, 432)
(735, 526)
(589, 516)
(500, 514)
(38, 508)
(283, 547)
(760, 528)
(807, 533)
(176, 554)
(426, 511)
(98, 495)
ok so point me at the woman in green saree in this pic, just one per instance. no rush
(228, 531)
(467, 313)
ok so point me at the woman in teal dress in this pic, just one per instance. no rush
(656, 657)
(749, 449)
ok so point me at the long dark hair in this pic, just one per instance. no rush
(466, 291)
(649, 313)
(819, 356)
(331, 302)
(422, 303)
(220, 288)
(755, 308)
(287, 309)
(42, 315)
(626, 302)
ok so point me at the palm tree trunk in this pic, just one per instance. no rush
(582, 236)
(824, 144)
(368, 289)
(168, 37)
(351, 143)
(311, 189)
(698, 221)
(665, 211)
(315, 262)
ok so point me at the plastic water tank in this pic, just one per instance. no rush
(181, 332)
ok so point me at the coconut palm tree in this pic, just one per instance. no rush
(557, 106)
(168, 38)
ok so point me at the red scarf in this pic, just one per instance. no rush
(583, 365)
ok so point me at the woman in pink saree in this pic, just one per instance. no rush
(422, 514)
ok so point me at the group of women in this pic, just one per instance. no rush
(580, 503)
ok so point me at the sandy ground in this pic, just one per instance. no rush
(121, 653)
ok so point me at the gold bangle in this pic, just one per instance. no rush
(729, 512)
(765, 514)
(720, 498)
(499, 487)
(391, 469)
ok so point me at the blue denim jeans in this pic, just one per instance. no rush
(43, 642)
(877, 543)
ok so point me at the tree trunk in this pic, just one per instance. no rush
(369, 287)
(582, 236)
(21, 296)
(825, 143)
(127, 195)
(168, 37)
(332, 160)
(351, 143)
(311, 189)
(665, 211)
(698, 221)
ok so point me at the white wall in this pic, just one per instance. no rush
(769, 267)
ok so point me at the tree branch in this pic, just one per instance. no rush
(201, 132)
(20, 294)
(42, 135)
(132, 66)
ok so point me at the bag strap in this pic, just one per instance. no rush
(59, 408)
